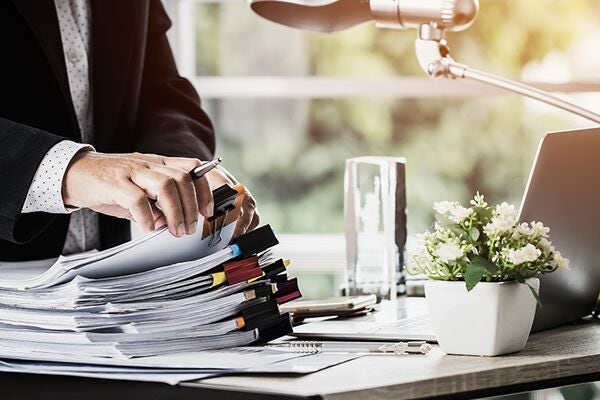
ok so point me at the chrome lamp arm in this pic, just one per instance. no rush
(434, 57)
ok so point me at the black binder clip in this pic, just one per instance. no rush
(280, 327)
(274, 269)
(260, 315)
(255, 241)
(224, 199)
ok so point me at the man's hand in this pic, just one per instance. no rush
(249, 218)
(124, 185)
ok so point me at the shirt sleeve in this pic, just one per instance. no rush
(45, 191)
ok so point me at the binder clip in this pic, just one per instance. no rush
(279, 278)
(274, 268)
(280, 327)
(224, 199)
(255, 241)
(260, 315)
(287, 291)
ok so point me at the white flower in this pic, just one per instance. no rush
(524, 229)
(505, 210)
(443, 207)
(479, 201)
(499, 224)
(545, 245)
(560, 261)
(540, 229)
(528, 253)
(459, 214)
(450, 251)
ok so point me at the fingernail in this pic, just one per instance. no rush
(208, 210)
(191, 228)
(181, 230)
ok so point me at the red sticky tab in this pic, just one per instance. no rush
(242, 270)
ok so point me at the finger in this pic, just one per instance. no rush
(217, 178)
(228, 174)
(204, 197)
(163, 188)
(240, 226)
(159, 218)
(187, 194)
(186, 164)
(255, 221)
(247, 214)
(134, 199)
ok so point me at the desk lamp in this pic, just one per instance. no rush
(432, 19)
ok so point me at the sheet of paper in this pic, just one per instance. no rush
(170, 378)
(156, 249)
(223, 359)
(294, 364)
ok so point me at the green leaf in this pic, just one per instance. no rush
(484, 213)
(476, 270)
(535, 294)
(473, 275)
(489, 266)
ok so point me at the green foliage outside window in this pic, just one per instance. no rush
(291, 152)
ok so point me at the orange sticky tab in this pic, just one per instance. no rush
(240, 322)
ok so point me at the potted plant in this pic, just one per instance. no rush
(482, 267)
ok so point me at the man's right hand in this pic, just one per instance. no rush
(123, 185)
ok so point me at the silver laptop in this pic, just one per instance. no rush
(564, 192)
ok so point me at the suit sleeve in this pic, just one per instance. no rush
(170, 120)
(22, 149)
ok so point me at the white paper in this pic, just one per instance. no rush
(156, 249)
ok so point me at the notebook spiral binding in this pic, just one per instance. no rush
(305, 346)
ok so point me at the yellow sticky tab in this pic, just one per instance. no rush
(287, 263)
(258, 277)
(218, 278)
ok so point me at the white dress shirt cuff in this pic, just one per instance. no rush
(45, 191)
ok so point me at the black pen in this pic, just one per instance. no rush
(203, 169)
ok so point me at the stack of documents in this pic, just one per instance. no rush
(80, 307)
(155, 297)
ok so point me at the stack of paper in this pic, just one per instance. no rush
(155, 296)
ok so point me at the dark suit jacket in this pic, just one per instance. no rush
(140, 104)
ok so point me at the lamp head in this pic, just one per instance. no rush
(336, 15)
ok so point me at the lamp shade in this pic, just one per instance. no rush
(314, 15)
(337, 15)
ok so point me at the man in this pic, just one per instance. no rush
(95, 122)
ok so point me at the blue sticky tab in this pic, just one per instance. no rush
(235, 249)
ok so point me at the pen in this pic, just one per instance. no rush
(198, 173)
(208, 166)
(313, 347)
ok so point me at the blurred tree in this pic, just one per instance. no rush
(292, 153)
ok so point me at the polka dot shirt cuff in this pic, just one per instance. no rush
(45, 191)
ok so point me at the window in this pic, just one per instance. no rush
(289, 107)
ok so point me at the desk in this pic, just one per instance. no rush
(553, 358)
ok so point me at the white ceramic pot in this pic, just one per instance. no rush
(492, 319)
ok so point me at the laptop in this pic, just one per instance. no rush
(563, 191)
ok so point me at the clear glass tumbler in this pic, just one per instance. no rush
(375, 225)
